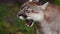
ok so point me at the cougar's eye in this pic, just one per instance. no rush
(32, 11)
(27, 11)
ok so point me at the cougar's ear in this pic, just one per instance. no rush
(44, 5)
(34, 0)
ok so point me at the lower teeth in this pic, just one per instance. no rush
(26, 25)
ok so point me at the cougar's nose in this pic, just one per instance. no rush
(22, 15)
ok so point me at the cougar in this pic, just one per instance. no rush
(47, 16)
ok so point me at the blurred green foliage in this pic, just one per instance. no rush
(57, 2)
(10, 24)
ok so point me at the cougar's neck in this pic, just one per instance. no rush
(51, 13)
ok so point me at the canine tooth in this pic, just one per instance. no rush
(27, 25)
(32, 24)
(21, 17)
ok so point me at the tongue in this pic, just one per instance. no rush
(28, 23)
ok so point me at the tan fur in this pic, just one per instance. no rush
(50, 22)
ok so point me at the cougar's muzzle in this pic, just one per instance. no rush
(23, 16)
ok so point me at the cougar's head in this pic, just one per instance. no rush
(32, 11)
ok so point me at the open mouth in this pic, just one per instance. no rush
(29, 22)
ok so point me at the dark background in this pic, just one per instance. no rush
(9, 23)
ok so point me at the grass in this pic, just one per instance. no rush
(57, 2)
(10, 24)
